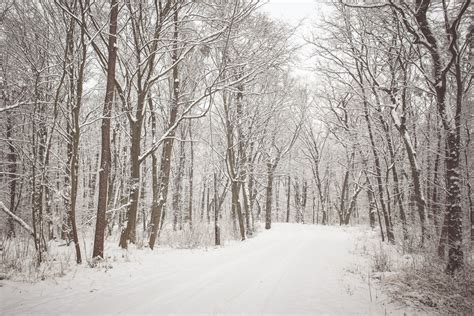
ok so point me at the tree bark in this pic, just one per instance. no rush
(288, 196)
(12, 170)
(378, 173)
(105, 154)
(217, 229)
(176, 205)
(165, 166)
(191, 178)
(74, 138)
(269, 194)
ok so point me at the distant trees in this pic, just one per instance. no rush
(278, 146)
(405, 80)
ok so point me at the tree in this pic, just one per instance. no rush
(421, 30)
(105, 161)
(280, 146)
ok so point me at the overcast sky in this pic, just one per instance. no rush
(290, 10)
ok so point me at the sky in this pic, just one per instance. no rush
(290, 10)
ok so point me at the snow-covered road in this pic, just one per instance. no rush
(291, 269)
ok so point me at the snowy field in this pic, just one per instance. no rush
(291, 269)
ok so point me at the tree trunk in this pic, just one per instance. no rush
(304, 199)
(453, 208)
(176, 205)
(453, 212)
(378, 173)
(352, 204)
(288, 196)
(343, 194)
(74, 138)
(297, 199)
(203, 198)
(435, 195)
(217, 229)
(208, 204)
(277, 199)
(12, 166)
(129, 233)
(191, 176)
(396, 186)
(38, 144)
(105, 155)
(162, 195)
(373, 208)
(372, 211)
(237, 209)
(247, 210)
(165, 166)
(268, 206)
(415, 171)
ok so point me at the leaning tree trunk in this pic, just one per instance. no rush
(413, 160)
(378, 174)
(352, 204)
(396, 186)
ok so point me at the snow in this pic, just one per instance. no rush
(290, 269)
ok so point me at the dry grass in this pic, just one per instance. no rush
(415, 276)
(381, 261)
(18, 259)
(428, 286)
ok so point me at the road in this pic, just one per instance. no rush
(291, 269)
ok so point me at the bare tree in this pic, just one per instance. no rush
(105, 162)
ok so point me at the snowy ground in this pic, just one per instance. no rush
(291, 269)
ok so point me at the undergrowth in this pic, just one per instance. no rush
(19, 260)
(428, 286)
(18, 257)
(416, 277)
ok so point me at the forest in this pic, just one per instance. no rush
(132, 125)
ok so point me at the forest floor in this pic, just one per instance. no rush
(291, 269)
